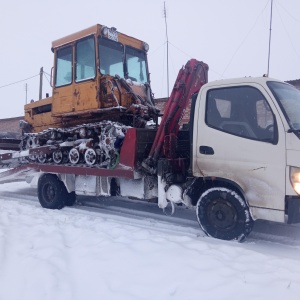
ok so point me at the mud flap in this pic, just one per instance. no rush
(293, 210)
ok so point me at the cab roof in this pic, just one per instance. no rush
(242, 80)
(96, 30)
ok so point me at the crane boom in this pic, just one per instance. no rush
(189, 81)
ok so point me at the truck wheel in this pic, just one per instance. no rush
(51, 192)
(222, 213)
(70, 199)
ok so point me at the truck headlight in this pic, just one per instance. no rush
(295, 179)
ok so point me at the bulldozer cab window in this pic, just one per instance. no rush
(136, 65)
(111, 56)
(85, 59)
(63, 66)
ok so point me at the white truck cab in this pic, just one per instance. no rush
(247, 132)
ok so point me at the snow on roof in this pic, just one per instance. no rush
(10, 124)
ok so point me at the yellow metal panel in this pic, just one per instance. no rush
(62, 100)
(38, 103)
(85, 96)
(130, 41)
(44, 121)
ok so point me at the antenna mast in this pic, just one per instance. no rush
(270, 38)
(41, 83)
(165, 15)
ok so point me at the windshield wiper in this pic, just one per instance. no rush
(293, 130)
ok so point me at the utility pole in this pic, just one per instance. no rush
(269, 54)
(41, 83)
(165, 15)
(26, 88)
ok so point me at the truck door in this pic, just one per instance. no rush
(240, 138)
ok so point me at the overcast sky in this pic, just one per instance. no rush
(231, 36)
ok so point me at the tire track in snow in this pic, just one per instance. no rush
(148, 215)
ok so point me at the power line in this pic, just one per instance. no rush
(288, 12)
(288, 35)
(47, 77)
(18, 81)
(243, 41)
(190, 56)
(180, 50)
(47, 74)
(152, 52)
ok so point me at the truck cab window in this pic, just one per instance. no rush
(241, 111)
(265, 118)
(111, 55)
(85, 59)
(63, 66)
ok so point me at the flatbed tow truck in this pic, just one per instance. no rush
(238, 160)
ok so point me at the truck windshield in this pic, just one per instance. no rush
(288, 98)
(126, 62)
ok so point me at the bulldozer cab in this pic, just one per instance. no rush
(86, 61)
(95, 70)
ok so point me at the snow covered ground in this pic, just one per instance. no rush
(102, 253)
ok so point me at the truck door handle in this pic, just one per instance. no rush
(206, 150)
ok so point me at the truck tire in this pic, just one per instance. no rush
(52, 193)
(223, 214)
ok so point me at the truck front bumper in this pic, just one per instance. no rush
(293, 209)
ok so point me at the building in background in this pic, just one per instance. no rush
(11, 124)
(295, 83)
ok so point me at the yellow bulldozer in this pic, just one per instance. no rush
(98, 74)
